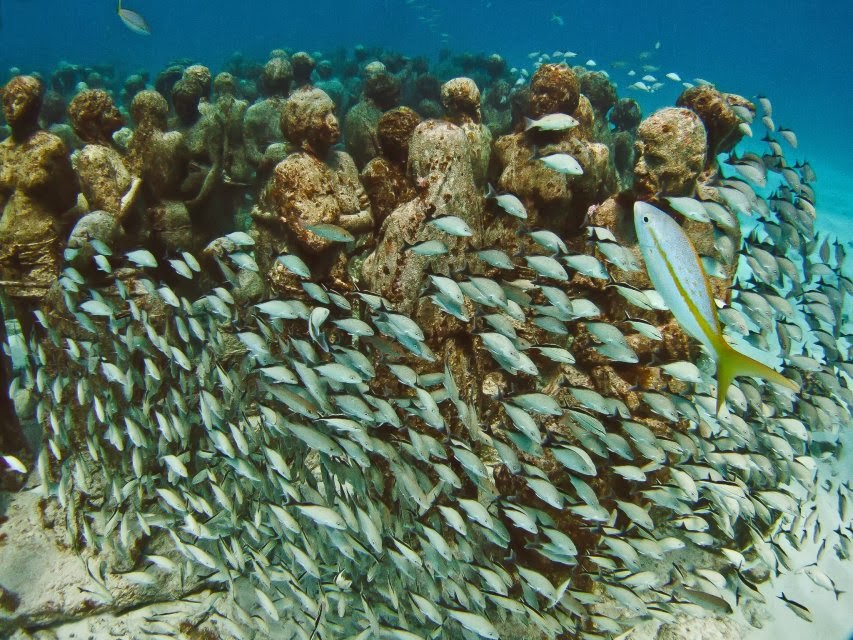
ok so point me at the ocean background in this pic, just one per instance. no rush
(797, 53)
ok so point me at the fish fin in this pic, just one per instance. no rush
(732, 364)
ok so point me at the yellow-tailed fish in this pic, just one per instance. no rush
(133, 21)
(676, 273)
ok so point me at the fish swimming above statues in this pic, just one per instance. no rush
(677, 274)
(133, 21)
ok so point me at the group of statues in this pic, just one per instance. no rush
(179, 167)
(199, 162)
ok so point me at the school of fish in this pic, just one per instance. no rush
(312, 459)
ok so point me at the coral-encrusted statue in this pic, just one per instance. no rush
(110, 190)
(262, 124)
(384, 178)
(105, 181)
(381, 92)
(315, 185)
(160, 158)
(461, 100)
(37, 186)
(554, 200)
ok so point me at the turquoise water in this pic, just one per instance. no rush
(796, 54)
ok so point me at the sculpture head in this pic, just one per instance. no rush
(461, 100)
(308, 120)
(149, 109)
(94, 116)
(276, 77)
(670, 153)
(22, 98)
(554, 88)
(395, 131)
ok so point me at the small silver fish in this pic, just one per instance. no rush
(429, 248)
(562, 163)
(551, 122)
(452, 225)
(508, 202)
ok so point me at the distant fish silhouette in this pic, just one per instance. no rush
(133, 21)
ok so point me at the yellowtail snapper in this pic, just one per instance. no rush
(677, 274)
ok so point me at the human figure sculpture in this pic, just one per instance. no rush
(554, 200)
(381, 91)
(160, 157)
(110, 190)
(440, 165)
(303, 66)
(232, 111)
(385, 178)
(314, 185)
(203, 132)
(332, 85)
(37, 186)
(461, 100)
(104, 179)
(670, 152)
(263, 139)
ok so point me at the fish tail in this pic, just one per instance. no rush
(490, 192)
(528, 124)
(732, 364)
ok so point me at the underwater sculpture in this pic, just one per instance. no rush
(160, 158)
(110, 190)
(554, 200)
(489, 449)
(385, 178)
(314, 186)
(265, 146)
(380, 92)
(231, 112)
(37, 186)
(461, 100)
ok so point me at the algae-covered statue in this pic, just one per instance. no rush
(440, 164)
(37, 186)
(160, 158)
(264, 143)
(385, 178)
(381, 91)
(461, 100)
(313, 186)
(554, 199)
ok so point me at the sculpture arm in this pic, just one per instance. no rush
(127, 200)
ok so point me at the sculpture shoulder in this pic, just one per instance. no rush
(47, 143)
(341, 161)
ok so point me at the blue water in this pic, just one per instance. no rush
(795, 52)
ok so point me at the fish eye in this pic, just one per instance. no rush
(645, 218)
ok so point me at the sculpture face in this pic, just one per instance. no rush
(670, 153)
(21, 102)
(329, 131)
